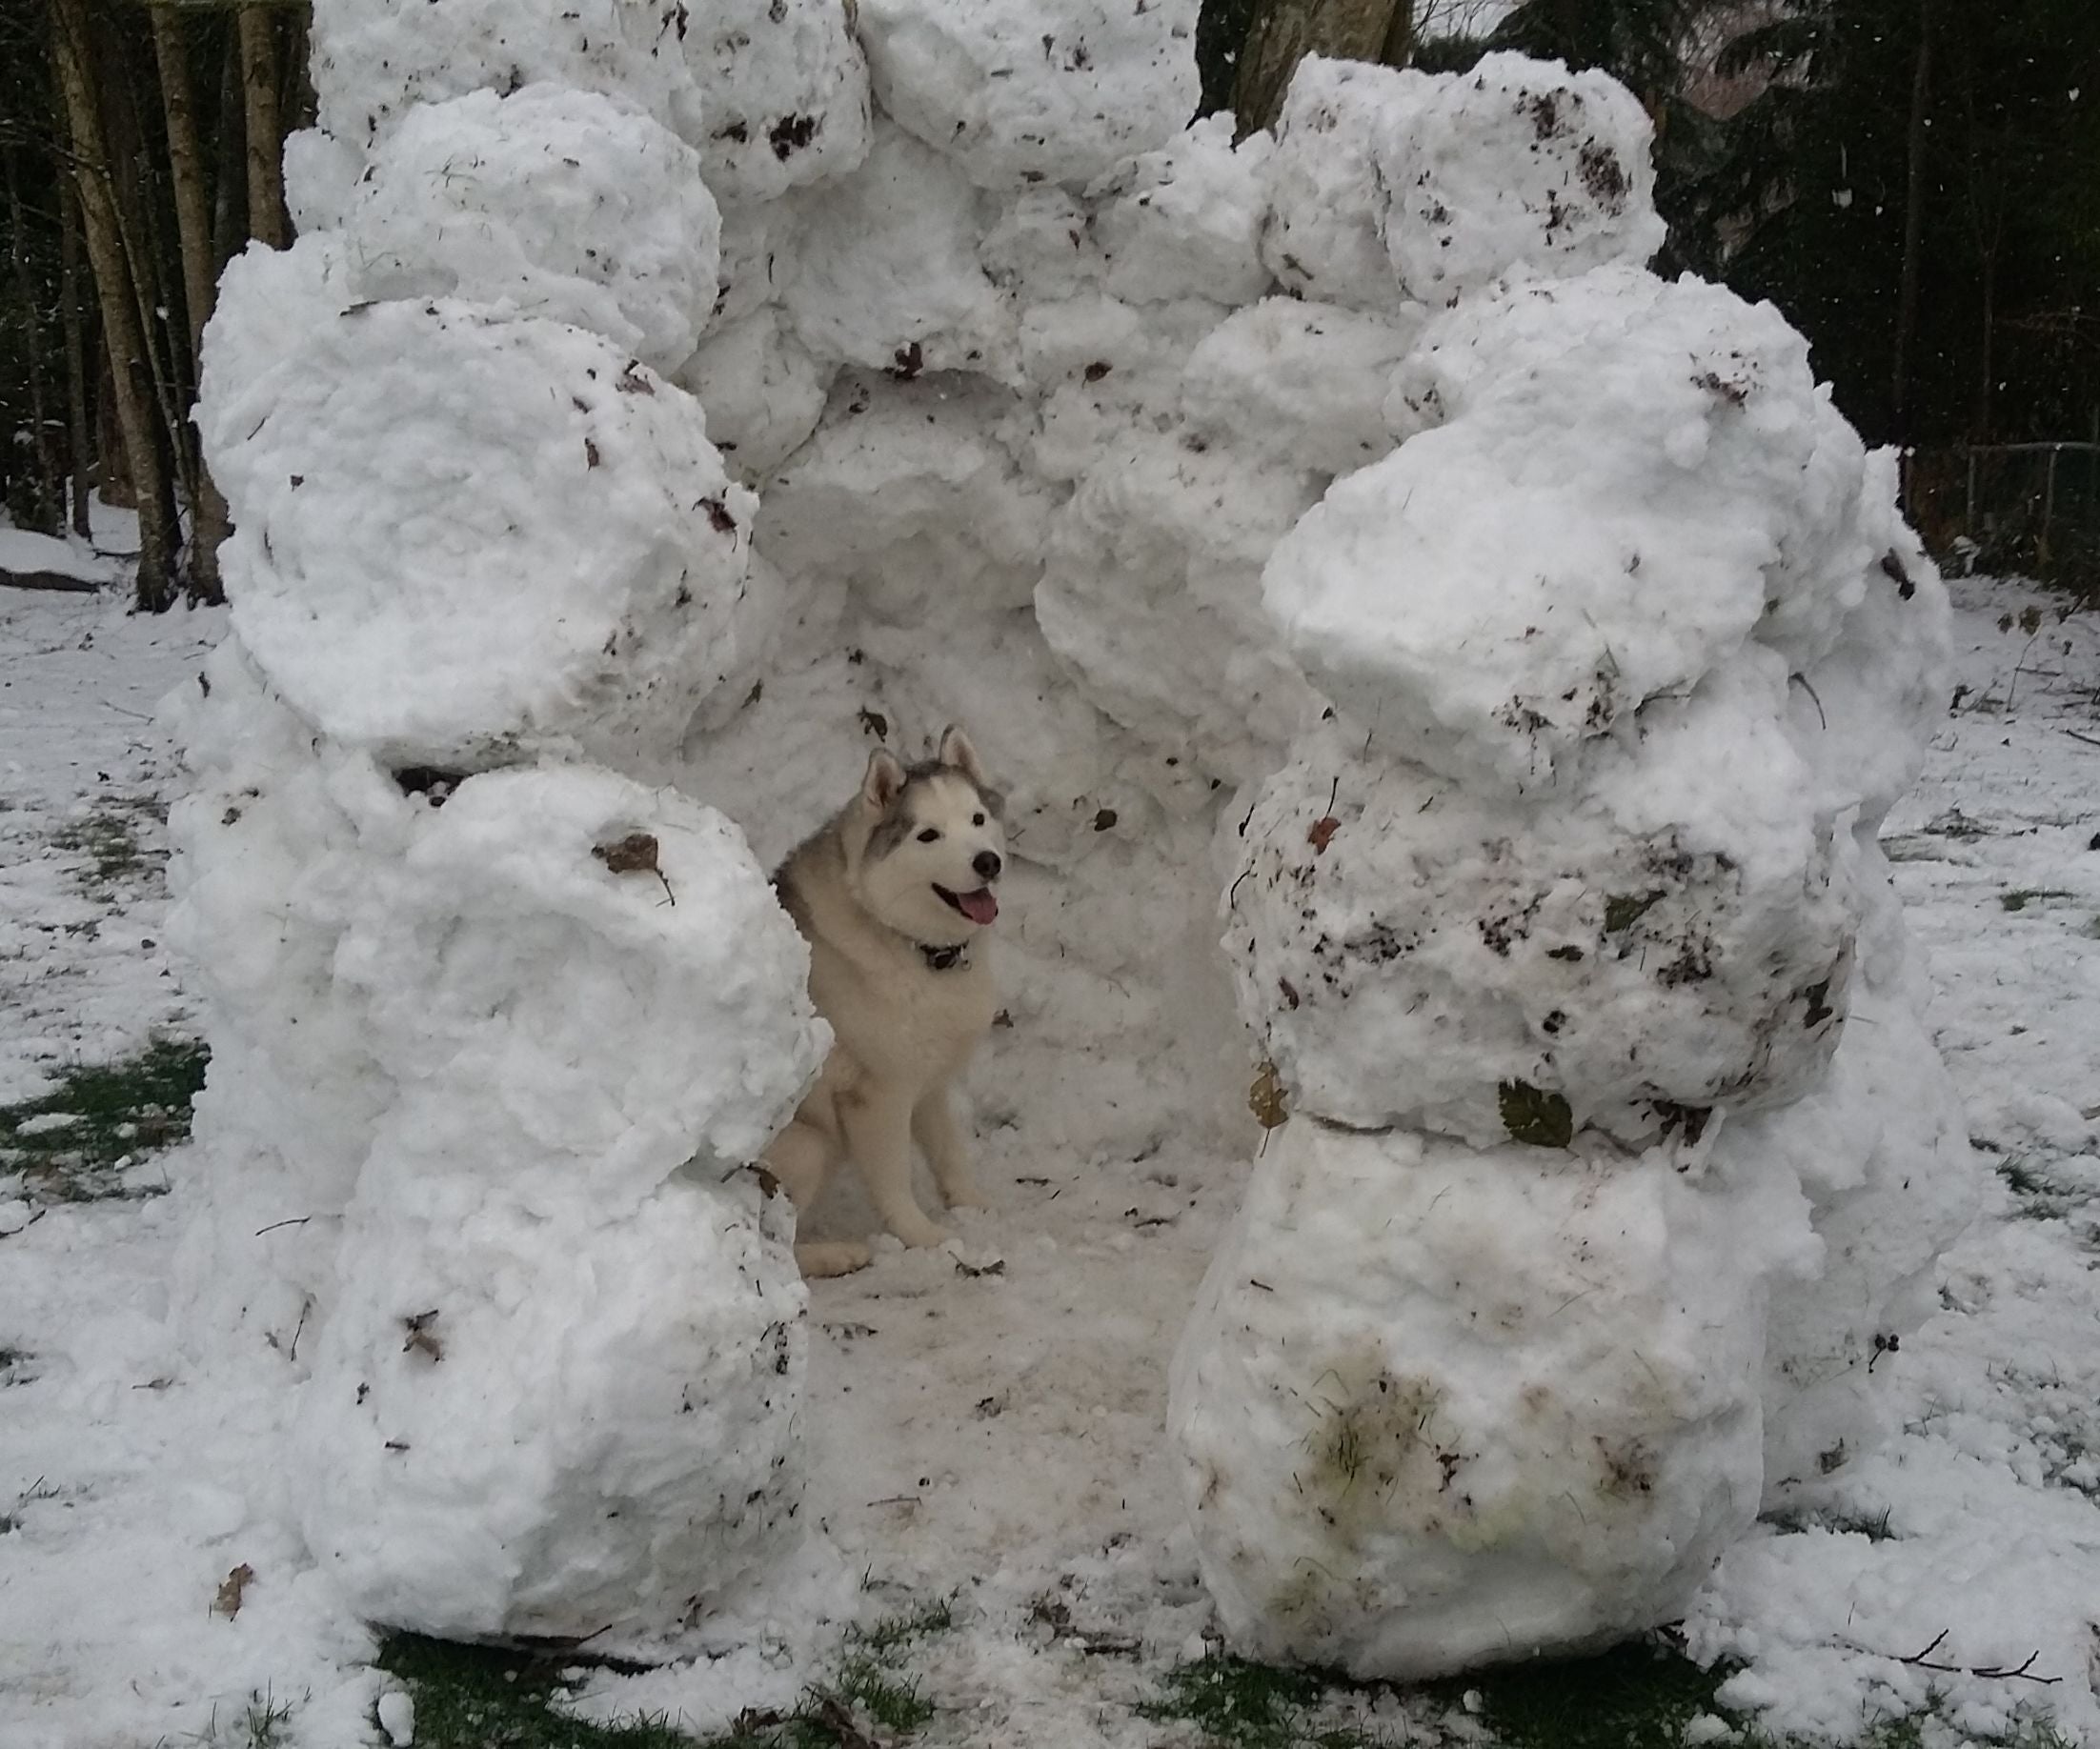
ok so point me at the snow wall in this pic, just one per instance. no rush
(1339, 539)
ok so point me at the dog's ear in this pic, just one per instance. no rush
(956, 752)
(884, 781)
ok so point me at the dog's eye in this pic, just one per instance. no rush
(928, 836)
(976, 819)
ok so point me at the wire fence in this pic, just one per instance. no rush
(2011, 509)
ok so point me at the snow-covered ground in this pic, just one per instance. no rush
(997, 1438)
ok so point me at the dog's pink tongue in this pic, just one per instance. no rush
(979, 907)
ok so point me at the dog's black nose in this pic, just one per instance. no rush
(987, 864)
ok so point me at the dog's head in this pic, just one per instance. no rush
(932, 847)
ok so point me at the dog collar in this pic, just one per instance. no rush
(944, 958)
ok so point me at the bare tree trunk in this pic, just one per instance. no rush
(77, 380)
(258, 40)
(72, 55)
(207, 518)
(229, 187)
(1399, 49)
(1914, 229)
(50, 498)
(1284, 33)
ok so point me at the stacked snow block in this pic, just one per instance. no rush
(1569, 943)
(496, 1027)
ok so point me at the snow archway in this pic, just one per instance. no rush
(662, 405)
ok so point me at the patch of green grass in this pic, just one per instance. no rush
(2019, 898)
(1873, 1526)
(493, 1697)
(132, 1108)
(262, 1723)
(1238, 1705)
(1641, 1696)
(106, 839)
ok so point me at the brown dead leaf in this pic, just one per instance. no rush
(635, 855)
(1321, 833)
(1267, 1098)
(231, 1589)
(422, 1340)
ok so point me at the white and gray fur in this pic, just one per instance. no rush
(901, 971)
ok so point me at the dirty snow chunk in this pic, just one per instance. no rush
(1519, 162)
(1324, 234)
(571, 1014)
(762, 390)
(1185, 220)
(757, 258)
(1600, 519)
(1673, 936)
(1151, 593)
(552, 1424)
(1042, 244)
(1301, 382)
(1883, 1152)
(887, 273)
(1437, 1408)
(1034, 91)
(374, 60)
(783, 91)
(908, 493)
(397, 1717)
(320, 179)
(551, 202)
(576, 596)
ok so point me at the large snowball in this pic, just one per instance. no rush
(566, 1019)
(1519, 162)
(1152, 597)
(783, 93)
(763, 391)
(1186, 221)
(1303, 384)
(1323, 233)
(1437, 1408)
(552, 202)
(373, 60)
(1603, 516)
(1674, 936)
(460, 539)
(550, 1424)
(1034, 91)
(887, 273)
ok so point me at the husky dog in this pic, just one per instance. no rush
(894, 898)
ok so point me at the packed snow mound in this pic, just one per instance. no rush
(1302, 383)
(374, 60)
(1603, 516)
(783, 93)
(1034, 91)
(553, 202)
(1152, 596)
(1670, 937)
(1519, 162)
(886, 273)
(278, 826)
(1185, 220)
(764, 390)
(1438, 1408)
(554, 1424)
(1323, 233)
(580, 984)
(584, 593)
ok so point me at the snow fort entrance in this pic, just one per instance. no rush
(1337, 544)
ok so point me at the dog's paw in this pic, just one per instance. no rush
(832, 1257)
(923, 1236)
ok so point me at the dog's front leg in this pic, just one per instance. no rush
(933, 1124)
(878, 1136)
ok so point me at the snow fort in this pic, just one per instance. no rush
(1338, 543)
